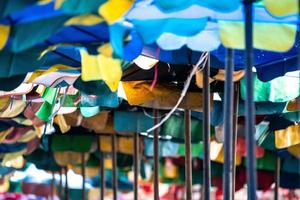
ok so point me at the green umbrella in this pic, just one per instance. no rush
(69, 142)
(174, 127)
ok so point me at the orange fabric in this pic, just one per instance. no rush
(293, 105)
(295, 150)
(69, 158)
(124, 144)
(161, 97)
(220, 76)
(287, 137)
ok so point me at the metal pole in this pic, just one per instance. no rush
(188, 157)
(60, 183)
(102, 171)
(234, 135)
(298, 102)
(52, 186)
(277, 177)
(102, 178)
(83, 174)
(136, 165)
(66, 184)
(114, 165)
(206, 132)
(249, 103)
(156, 157)
(298, 29)
(228, 117)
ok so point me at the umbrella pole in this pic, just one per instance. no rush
(136, 165)
(206, 132)
(66, 184)
(298, 102)
(228, 128)
(156, 157)
(249, 102)
(298, 29)
(52, 186)
(277, 178)
(188, 157)
(114, 165)
(83, 174)
(60, 183)
(234, 135)
(102, 170)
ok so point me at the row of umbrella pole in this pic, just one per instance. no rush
(230, 135)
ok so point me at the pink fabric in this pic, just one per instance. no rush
(32, 145)
(37, 189)
(242, 151)
(15, 135)
(30, 111)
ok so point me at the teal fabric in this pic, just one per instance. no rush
(281, 89)
(126, 121)
(11, 83)
(6, 170)
(46, 27)
(19, 63)
(264, 108)
(29, 60)
(105, 99)
(43, 160)
(10, 6)
(177, 5)
(267, 141)
(166, 148)
(174, 127)
(261, 131)
(150, 30)
(89, 111)
(291, 165)
(261, 108)
(75, 193)
(78, 7)
(292, 116)
(123, 181)
(267, 162)
(15, 186)
(90, 87)
(169, 148)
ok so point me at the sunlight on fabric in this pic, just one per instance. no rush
(145, 62)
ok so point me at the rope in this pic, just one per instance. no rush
(202, 60)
